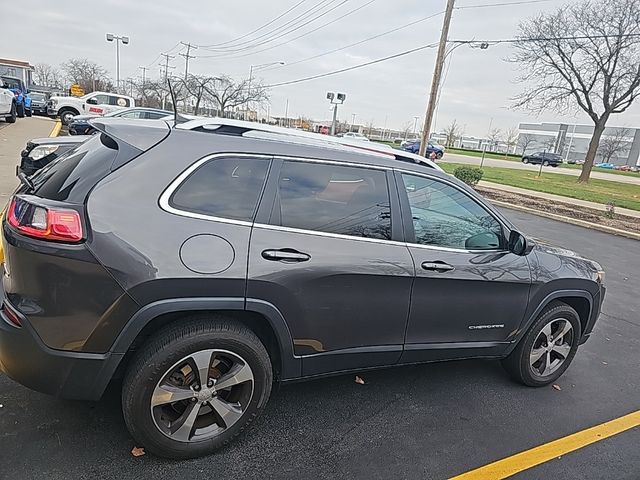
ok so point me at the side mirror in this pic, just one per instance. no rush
(92, 101)
(517, 243)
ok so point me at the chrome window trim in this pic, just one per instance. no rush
(453, 185)
(173, 186)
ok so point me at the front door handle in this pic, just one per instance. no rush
(440, 267)
(287, 255)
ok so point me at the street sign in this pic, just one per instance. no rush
(76, 90)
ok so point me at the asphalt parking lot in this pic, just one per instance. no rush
(418, 422)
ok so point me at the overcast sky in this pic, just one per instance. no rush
(477, 87)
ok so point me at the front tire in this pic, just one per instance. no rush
(545, 163)
(439, 155)
(195, 386)
(28, 112)
(525, 160)
(547, 349)
(66, 116)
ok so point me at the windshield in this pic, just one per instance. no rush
(37, 96)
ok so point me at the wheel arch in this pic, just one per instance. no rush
(261, 317)
(580, 300)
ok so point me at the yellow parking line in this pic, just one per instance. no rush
(530, 458)
(56, 129)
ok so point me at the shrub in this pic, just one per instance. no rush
(469, 175)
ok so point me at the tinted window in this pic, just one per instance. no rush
(119, 101)
(444, 216)
(156, 115)
(70, 177)
(134, 114)
(335, 199)
(226, 187)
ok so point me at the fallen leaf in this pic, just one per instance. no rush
(359, 381)
(557, 387)
(137, 451)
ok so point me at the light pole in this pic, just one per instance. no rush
(415, 124)
(335, 99)
(125, 41)
(353, 121)
(256, 68)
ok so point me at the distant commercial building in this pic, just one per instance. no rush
(572, 141)
(17, 68)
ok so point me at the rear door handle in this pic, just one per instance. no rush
(440, 267)
(287, 255)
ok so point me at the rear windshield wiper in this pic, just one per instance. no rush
(26, 181)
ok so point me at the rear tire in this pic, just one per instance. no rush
(12, 115)
(169, 364)
(548, 345)
(20, 110)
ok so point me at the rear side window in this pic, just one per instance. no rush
(334, 199)
(224, 187)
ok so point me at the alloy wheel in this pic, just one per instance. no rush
(202, 395)
(551, 347)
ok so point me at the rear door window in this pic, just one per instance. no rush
(223, 188)
(331, 198)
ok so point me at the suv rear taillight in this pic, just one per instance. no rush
(45, 223)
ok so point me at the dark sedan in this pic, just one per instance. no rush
(38, 103)
(544, 158)
(80, 124)
(40, 152)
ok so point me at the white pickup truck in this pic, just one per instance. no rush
(94, 103)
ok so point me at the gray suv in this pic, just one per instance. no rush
(204, 261)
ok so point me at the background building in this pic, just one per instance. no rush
(17, 68)
(572, 141)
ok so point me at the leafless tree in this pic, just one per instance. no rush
(229, 94)
(525, 141)
(89, 75)
(584, 56)
(614, 144)
(452, 132)
(196, 87)
(46, 75)
(494, 136)
(510, 137)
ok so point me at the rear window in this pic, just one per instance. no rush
(224, 187)
(70, 177)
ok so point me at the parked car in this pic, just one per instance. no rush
(606, 165)
(576, 162)
(204, 262)
(80, 124)
(355, 136)
(21, 94)
(414, 147)
(95, 103)
(544, 158)
(7, 103)
(38, 103)
(40, 152)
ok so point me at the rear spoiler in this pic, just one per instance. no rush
(140, 134)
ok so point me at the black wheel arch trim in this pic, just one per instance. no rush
(519, 334)
(291, 365)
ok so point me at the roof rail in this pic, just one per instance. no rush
(229, 126)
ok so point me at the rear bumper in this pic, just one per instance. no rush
(25, 359)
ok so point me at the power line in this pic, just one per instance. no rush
(544, 39)
(319, 27)
(522, 2)
(260, 39)
(354, 67)
(407, 25)
(259, 28)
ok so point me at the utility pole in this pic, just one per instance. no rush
(166, 66)
(353, 121)
(144, 75)
(187, 57)
(437, 75)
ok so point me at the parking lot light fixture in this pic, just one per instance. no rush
(125, 41)
(335, 99)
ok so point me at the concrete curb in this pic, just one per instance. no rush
(56, 129)
(572, 221)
